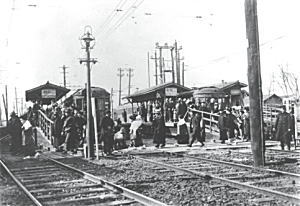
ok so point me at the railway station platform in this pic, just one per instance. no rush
(212, 144)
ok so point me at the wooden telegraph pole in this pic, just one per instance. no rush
(120, 70)
(254, 80)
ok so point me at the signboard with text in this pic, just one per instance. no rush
(171, 92)
(48, 93)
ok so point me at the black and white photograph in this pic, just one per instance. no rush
(149, 102)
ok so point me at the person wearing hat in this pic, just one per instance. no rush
(197, 129)
(106, 128)
(69, 130)
(159, 135)
(223, 126)
(283, 128)
(57, 128)
(15, 130)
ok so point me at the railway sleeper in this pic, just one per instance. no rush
(48, 190)
(43, 180)
(99, 198)
(33, 168)
(56, 183)
(70, 194)
(39, 176)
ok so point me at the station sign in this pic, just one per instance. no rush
(235, 92)
(171, 92)
(48, 93)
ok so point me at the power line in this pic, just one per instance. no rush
(113, 13)
(132, 9)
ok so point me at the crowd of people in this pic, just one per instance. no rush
(69, 124)
(22, 131)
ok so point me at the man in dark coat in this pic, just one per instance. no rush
(15, 130)
(159, 134)
(283, 129)
(246, 124)
(106, 128)
(124, 115)
(231, 123)
(223, 126)
(69, 130)
(57, 129)
(196, 129)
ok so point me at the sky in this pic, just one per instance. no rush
(38, 37)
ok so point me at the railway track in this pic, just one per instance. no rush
(47, 181)
(273, 184)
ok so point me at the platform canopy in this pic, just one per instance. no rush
(46, 93)
(157, 92)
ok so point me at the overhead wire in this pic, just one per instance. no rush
(224, 57)
(124, 17)
(113, 13)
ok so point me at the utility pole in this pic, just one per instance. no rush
(182, 70)
(254, 80)
(172, 60)
(148, 62)
(176, 63)
(5, 103)
(130, 70)
(16, 99)
(120, 74)
(112, 102)
(156, 75)
(164, 69)
(86, 41)
(64, 75)
(160, 65)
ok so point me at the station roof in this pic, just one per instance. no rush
(45, 93)
(224, 86)
(95, 92)
(209, 92)
(152, 93)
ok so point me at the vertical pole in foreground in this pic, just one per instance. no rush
(95, 126)
(254, 80)
(87, 39)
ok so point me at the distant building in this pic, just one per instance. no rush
(272, 100)
(231, 92)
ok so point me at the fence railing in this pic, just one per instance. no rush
(211, 118)
(45, 123)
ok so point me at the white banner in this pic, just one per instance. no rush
(49, 93)
(170, 92)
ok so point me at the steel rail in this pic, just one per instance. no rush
(241, 165)
(236, 184)
(33, 199)
(284, 151)
(126, 192)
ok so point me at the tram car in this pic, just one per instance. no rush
(102, 101)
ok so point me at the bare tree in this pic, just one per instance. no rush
(288, 82)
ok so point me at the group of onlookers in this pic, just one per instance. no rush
(234, 124)
(22, 131)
